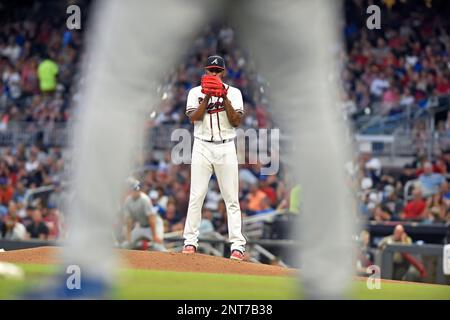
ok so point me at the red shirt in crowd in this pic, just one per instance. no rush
(270, 193)
(6, 194)
(414, 209)
(361, 59)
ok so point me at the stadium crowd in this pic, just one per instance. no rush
(404, 63)
(398, 68)
(38, 61)
(427, 197)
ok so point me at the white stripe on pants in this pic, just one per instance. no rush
(222, 160)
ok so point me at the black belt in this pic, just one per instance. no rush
(216, 142)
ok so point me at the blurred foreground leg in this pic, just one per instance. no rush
(131, 45)
(292, 43)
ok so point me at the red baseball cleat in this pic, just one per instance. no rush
(189, 249)
(237, 255)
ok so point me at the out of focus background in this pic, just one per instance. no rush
(395, 98)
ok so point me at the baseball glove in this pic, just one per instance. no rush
(213, 86)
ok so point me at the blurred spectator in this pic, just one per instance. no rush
(254, 199)
(445, 191)
(27, 220)
(436, 209)
(366, 207)
(12, 228)
(430, 181)
(414, 209)
(47, 72)
(391, 201)
(206, 225)
(172, 219)
(406, 99)
(295, 199)
(6, 191)
(19, 192)
(378, 85)
(268, 190)
(37, 229)
(11, 80)
(265, 206)
(398, 237)
(52, 220)
(21, 212)
(159, 200)
(220, 218)
(382, 213)
(374, 170)
(401, 264)
(213, 196)
(408, 173)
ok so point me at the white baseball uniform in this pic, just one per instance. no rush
(214, 151)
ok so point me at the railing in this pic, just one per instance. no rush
(403, 139)
(28, 133)
(376, 144)
(159, 137)
(435, 233)
(428, 250)
(378, 122)
(31, 194)
(391, 135)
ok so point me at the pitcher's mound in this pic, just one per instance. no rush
(157, 261)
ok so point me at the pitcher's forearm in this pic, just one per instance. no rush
(198, 113)
(233, 117)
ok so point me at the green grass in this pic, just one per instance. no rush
(148, 284)
(144, 284)
(401, 291)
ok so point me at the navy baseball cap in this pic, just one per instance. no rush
(215, 62)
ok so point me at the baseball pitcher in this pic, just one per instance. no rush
(216, 110)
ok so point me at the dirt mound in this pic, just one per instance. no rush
(157, 261)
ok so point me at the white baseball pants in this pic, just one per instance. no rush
(221, 159)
